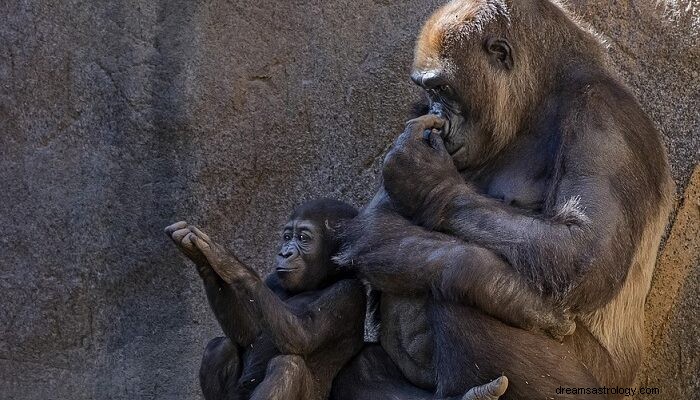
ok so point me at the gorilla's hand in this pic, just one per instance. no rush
(179, 232)
(365, 240)
(418, 170)
(225, 264)
(375, 245)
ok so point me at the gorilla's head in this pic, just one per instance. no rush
(309, 240)
(484, 67)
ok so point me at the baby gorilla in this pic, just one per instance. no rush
(286, 337)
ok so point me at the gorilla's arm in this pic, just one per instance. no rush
(232, 307)
(398, 257)
(555, 252)
(333, 315)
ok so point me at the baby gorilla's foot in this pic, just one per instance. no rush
(490, 391)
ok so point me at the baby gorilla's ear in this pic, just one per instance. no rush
(332, 230)
(334, 234)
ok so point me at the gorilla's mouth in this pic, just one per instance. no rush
(456, 131)
(447, 136)
(289, 266)
(439, 109)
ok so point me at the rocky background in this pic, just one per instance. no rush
(119, 117)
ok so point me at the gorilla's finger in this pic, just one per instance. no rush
(437, 142)
(187, 241)
(490, 391)
(433, 138)
(180, 234)
(172, 228)
(426, 136)
(200, 234)
(208, 251)
(429, 121)
(403, 139)
(201, 245)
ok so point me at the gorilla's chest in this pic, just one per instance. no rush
(517, 189)
(520, 182)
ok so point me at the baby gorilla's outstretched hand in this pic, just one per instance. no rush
(225, 264)
(180, 232)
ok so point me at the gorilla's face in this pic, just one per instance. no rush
(467, 77)
(459, 133)
(302, 262)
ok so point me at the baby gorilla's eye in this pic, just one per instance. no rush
(287, 237)
(304, 238)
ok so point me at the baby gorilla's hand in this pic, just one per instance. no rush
(225, 264)
(179, 232)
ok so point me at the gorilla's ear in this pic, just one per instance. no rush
(499, 52)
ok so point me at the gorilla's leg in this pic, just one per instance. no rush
(372, 375)
(220, 369)
(287, 378)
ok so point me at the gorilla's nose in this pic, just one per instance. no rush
(286, 253)
(427, 79)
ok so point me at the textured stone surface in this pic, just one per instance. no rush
(119, 117)
(672, 361)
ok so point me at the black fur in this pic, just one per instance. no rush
(542, 199)
(287, 337)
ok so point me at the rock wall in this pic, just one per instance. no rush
(119, 117)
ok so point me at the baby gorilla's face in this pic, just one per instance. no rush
(302, 260)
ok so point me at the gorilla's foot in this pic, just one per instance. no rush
(490, 391)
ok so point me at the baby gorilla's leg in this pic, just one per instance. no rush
(287, 378)
(220, 369)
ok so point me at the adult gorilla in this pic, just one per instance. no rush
(538, 184)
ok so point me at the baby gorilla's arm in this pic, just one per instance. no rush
(231, 308)
(333, 316)
(227, 266)
(328, 317)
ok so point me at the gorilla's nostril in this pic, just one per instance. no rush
(286, 253)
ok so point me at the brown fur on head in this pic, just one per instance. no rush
(491, 57)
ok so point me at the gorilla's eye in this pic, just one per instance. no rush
(303, 238)
(444, 92)
(286, 237)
